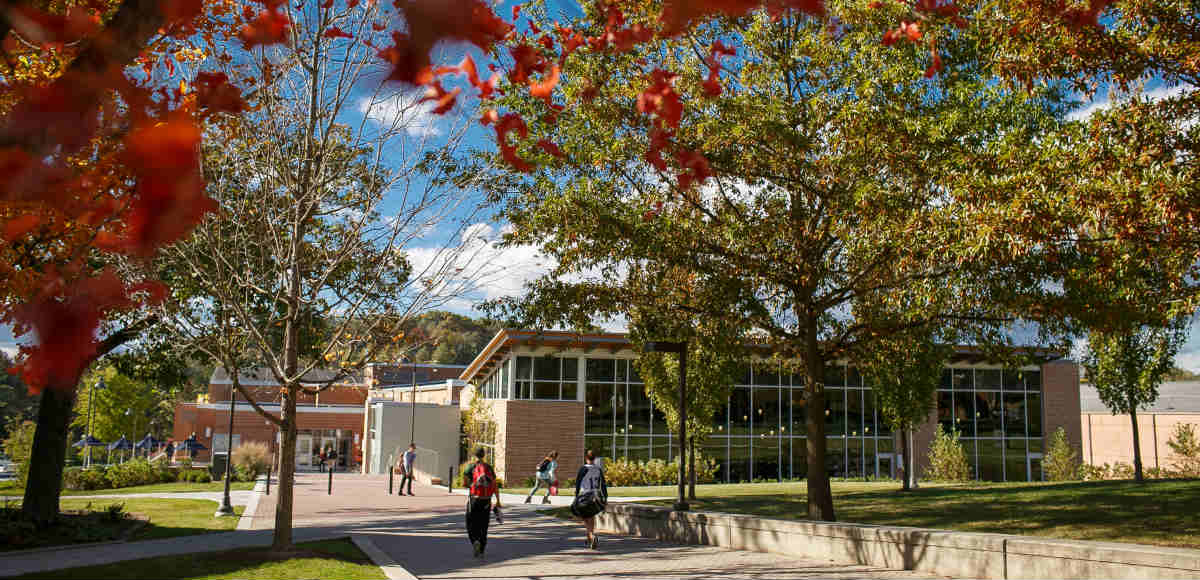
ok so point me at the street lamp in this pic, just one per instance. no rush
(226, 508)
(681, 504)
(88, 439)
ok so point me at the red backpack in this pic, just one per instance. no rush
(483, 481)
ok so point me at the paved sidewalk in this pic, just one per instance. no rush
(426, 536)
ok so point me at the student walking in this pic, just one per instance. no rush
(409, 459)
(481, 486)
(544, 474)
(591, 495)
(321, 457)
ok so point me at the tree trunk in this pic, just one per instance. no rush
(1137, 446)
(282, 541)
(692, 468)
(820, 496)
(905, 469)
(44, 485)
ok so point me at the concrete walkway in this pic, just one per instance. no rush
(235, 497)
(424, 536)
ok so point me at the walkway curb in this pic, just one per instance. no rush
(391, 568)
(247, 520)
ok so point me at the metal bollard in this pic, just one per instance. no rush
(391, 478)
(330, 491)
(269, 466)
(450, 481)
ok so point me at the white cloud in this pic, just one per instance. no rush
(1156, 94)
(402, 111)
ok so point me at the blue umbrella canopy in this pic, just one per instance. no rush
(121, 443)
(89, 441)
(190, 444)
(147, 442)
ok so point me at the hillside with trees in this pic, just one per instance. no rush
(451, 338)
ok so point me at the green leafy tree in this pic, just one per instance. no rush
(1061, 462)
(16, 404)
(712, 369)
(18, 446)
(1127, 365)
(836, 188)
(1186, 447)
(904, 371)
(948, 458)
(125, 407)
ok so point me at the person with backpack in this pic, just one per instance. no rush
(591, 495)
(480, 482)
(544, 474)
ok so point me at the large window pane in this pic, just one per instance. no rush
(854, 378)
(524, 390)
(1014, 460)
(664, 448)
(545, 390)
(869, 467)
(799, 413)
(945, 410)
(875, 425)
(990, 414)
(1033, 407)
(720, 419)
(547, 369)
(854, 448)
(658, 420)
(570, 390)
(766, 411)
(639, 410)
(620, 406)
(739, 411)
(634, 377)
(835, 412)
(602, 446)
(854, 412)
(524, 366)
(600, 369)
(622, 370)
(1013, 380)
(991, 462)
(1033, 380)
(570, 369)
(835, 457)
(964, 413)
(766, 457)
(639, 449)
(739, 459)
(963, 380)
(1014, 414)
(988, 379)
(599, 408)
(947, 380)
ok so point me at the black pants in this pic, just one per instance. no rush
(479, 513)
(409, 478)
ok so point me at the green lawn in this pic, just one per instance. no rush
(338, 559)
(180, 487)
(1160, 512)
(167, 518)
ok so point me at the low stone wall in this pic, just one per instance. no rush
(959, 554)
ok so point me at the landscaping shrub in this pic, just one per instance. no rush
(251, 459)
(947, 458)
(85, 479)
(133, 472)
(1061, 462)
(1186, 447)
(623, 472)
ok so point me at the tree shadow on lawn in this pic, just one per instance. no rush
(1161, 512)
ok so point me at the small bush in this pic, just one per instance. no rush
(203, 476)
(623, 472)
(947, 458)
(85, 479)
(19, 446)
(1186, 447)
(114, 512)
(1061, 462)
(251, 460)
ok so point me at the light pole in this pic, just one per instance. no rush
(226, 508)
(87, 439)
(681, 504)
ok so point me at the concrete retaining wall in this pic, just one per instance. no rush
(958, 554)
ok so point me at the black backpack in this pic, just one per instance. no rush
(543, 466)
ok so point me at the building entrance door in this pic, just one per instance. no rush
(304, 450)
(885, 465)
(1033, 467)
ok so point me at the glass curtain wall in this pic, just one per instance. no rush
(621, 421)
(998, 414)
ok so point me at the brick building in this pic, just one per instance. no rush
(570, 392)
(332, 419)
